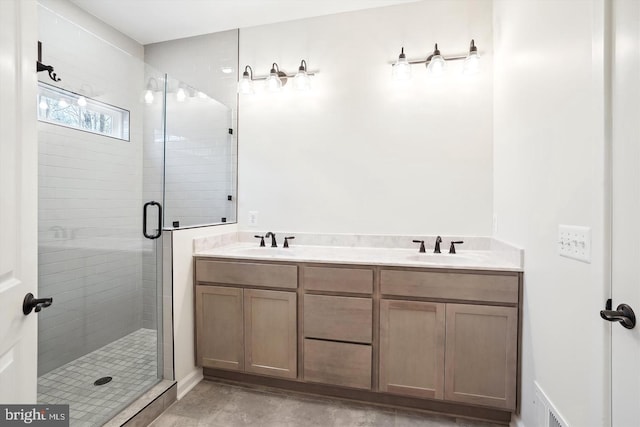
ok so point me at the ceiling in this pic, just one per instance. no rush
(151, 21)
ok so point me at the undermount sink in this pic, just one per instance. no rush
(264, 251)
(446, 258)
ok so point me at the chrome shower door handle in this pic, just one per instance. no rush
(144, 220)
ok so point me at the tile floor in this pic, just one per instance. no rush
(214, 404)
(131, 361)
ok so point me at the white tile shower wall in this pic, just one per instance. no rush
(198, 171)
(361, 153)
(90, 191)
(199, 62)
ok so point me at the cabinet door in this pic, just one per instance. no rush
(270, 333)
(481, 355)
(219, 328)
(412, 348)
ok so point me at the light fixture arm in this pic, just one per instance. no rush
(303, 66)
(248, 72)
(153, 87)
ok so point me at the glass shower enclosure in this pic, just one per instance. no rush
(124, 150)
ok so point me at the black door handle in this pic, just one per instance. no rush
(30, 303)
(623, 314)
(144, 220)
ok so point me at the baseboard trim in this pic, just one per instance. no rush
(381, 399)
(190, 381)
(516, 421)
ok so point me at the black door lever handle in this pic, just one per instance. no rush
(31, 303)
(624, 314)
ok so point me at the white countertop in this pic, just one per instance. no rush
(493, 260)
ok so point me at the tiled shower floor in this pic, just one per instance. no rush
(131, 361)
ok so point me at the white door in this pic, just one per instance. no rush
(625, 344)
(18, 200)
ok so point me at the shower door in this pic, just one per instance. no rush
(101, 148)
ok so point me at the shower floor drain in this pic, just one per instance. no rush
(102, 381)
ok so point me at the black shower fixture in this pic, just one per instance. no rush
(41, 67)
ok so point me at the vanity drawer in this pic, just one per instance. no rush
(457, 286)
(338, 318)
(337, 363)
(246, 273)
(353, 280)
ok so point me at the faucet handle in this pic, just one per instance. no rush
(261, 240)
(286, 241)
(422, 249)
(452, 248)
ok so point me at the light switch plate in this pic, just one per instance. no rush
(574, 242)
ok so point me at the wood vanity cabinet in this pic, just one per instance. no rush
(220, 327)
(246, 329)
(338, 329)
(412, 348)
(445, 340)
(481, 355)
(463, 351)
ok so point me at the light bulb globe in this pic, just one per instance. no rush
(148, 96)
(401, 69)
(471, 64)
(435, 67)
(302, 81)
(273, 82)
(245, 85)
(181, 95)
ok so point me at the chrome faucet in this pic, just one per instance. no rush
(274, 244)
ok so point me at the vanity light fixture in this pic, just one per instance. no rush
(245, 85)
(436, 63)
(81, 101)
(276, 79)
(148, 93)
(471, 62)
(402, 67)
(302, 81)
(181, 94)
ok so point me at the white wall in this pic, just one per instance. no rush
(549, 157)
(361, 153)
(186, 372)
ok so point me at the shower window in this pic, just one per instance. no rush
(65, 108)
